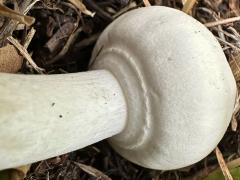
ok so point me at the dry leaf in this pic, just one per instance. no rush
(92, 171)
(234, 6)
(15, 174)
(7, 12)
(10, 60)
(223, 165)
(234, 63)
(81, 7)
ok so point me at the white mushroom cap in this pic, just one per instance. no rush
(179, 88)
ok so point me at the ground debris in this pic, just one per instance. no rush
(93, 171)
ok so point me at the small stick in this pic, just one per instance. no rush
(29, 37)
(82, 7)
(188, 6)
(234, 122)
(223, 165)
(24, 52)
(229, 44)
(66, 47)
(92, 171)
(30, 6)
(223, 21)
(146, 3)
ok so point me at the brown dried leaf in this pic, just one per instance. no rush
(216, 3)
(234, 63)
(15, 174)
(7, 12)
(93, 171)
(10, 60)
(81, 7)
(234, 6)
(223, 165)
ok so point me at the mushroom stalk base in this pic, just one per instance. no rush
(46, 116)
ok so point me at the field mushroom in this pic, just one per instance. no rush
(160, 89)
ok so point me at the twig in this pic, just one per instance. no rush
(86, 42)
(234, 31)
(223, 21)
(29, 37)
(229, 44)
(81, 7)
(187, 7)
(92, 171)
(25, 54)
(101, 12)
(234, 122)
(223, 165)
(66, 47)
(30, 6)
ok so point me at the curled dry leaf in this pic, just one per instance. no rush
(7, 12)
(92, 171)
(10, 60)
(81, 7)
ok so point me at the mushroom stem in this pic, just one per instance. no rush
(46, 116)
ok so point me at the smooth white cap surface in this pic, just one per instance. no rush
(178, 85)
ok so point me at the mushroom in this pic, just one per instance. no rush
(160, 89)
